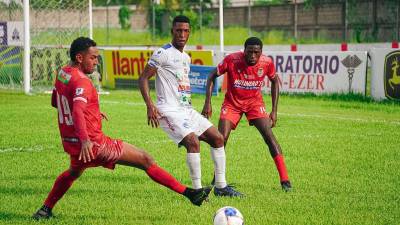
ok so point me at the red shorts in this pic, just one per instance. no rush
(106, 155)
(234, 114)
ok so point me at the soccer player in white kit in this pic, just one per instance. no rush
(173, 111)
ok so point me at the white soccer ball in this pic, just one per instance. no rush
(228, 216)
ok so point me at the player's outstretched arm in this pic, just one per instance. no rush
(86, 154)
(207, 108)
(275, 96)
(152, 111)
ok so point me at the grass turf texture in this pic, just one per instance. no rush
(342, 156)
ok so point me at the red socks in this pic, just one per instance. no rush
(65, 181)
(62, 184)
(280, 166)
(162, 177)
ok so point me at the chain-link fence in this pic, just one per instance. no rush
(54, 24)
(331, 20)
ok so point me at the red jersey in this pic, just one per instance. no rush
(244, 81)
(72, 88)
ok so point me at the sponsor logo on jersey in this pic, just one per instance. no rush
(260, 72)
(79, 91)
(392, 75)
(63, 77)
(248, 84)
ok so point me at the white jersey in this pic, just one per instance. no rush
(172, 79)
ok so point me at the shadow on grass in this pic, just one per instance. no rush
(21, 191)
(16, 217)
(12, 217)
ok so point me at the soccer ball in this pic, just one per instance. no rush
(228, 216)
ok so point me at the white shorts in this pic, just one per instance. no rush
(179, 122)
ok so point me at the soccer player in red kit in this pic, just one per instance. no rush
(245, 73)
(79, 120)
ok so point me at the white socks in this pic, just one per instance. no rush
(218, 156)
(193, 162)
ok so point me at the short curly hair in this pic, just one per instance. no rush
(253, 41)
(81, 44)
(180, 19)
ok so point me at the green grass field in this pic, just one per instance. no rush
(343, 157)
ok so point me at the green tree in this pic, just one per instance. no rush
(115, 2)
(124, 15)
(12, 7)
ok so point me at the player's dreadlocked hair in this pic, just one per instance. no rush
(80, 44)
(253, 41)
(180, 19)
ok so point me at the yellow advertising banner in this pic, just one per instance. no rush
(129, 64)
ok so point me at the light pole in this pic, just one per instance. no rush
(154, 20)
(108, 25)
(249, 17)
(201, 21)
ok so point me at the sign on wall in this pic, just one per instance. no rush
(198, 79)
(129, 64)
(320, 72)
(3, 33)
(12, 33)
(385, 79)
(15, 33)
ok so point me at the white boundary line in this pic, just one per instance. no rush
(22, 149)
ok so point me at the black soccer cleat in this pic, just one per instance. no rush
(227, 191)
(197, 196)
(286, 186)
(43, 213)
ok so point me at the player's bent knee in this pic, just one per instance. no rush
(219, 140)
(147, 160)
(75, 173)
(192, 143)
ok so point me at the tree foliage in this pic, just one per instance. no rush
(124, 15)
(190, 8)
(12, 7)
(115, 2)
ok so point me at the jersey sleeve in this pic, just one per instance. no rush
(158, 58)
(78, 116)
(223, 66)
(82, 90)
(270, 70)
